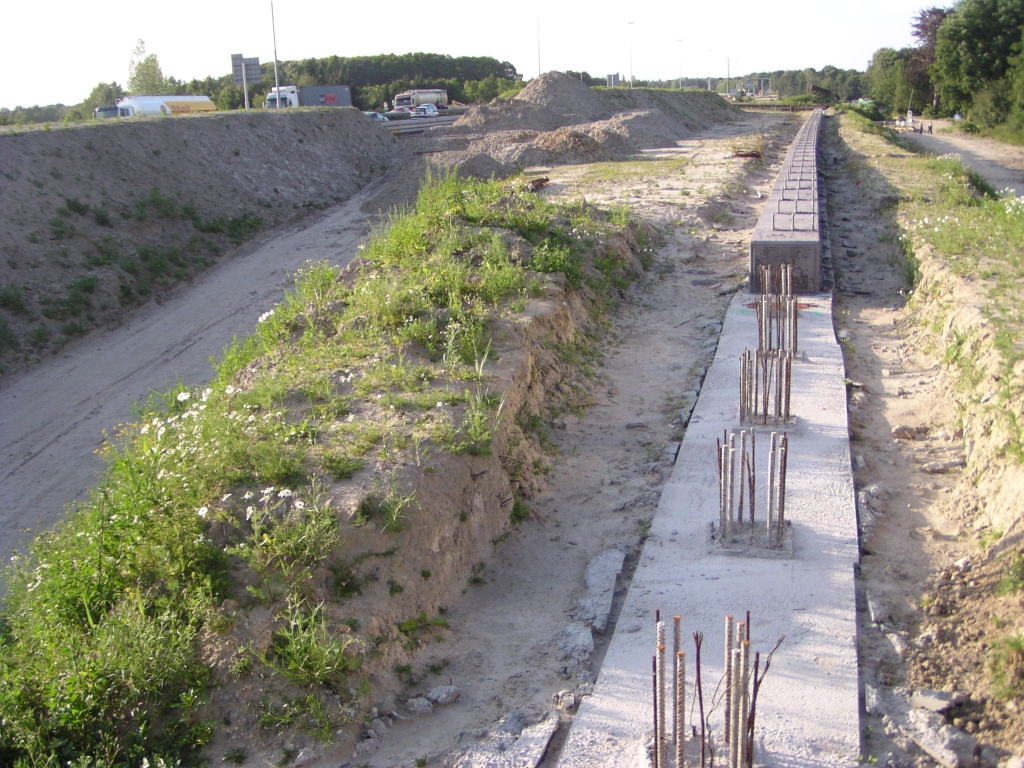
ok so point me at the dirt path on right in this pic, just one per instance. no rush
(1000, 164)
(916, 536)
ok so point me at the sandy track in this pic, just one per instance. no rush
(52, 417)
(1001, 165)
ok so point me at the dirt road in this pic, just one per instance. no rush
(53, 416)
(1001, 165)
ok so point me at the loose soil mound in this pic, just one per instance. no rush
(564, 95)
(606, 124)
(101, 217)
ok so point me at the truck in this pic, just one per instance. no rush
(133, 106)
(407, 101)
(309, 96)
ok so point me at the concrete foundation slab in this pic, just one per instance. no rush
(808, 711)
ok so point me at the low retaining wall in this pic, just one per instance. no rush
(788, 231)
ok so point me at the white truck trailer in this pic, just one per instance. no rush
(407, 101)
(134, 106)
(309, 96)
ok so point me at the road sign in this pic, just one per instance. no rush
(252, 74)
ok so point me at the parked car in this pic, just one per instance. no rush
(425, 110)
(377, 117)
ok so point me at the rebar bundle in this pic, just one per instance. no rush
(765, 383)
(737, 693)
(777, 279)
(776, 309)
(737, 485)
(776, 322)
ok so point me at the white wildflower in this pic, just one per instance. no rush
(183, 396)
(266, 316)
(202, 511)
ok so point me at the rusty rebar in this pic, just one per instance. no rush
(680, 716)
(729, 629)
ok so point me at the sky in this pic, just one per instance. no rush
(62, 49)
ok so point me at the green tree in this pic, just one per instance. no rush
(974, 46)
(145, 78)
(103, 93)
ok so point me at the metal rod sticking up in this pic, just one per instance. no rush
(729, 630)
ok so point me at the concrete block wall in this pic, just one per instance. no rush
(788, 230)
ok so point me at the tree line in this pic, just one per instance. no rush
(969, 60)
(374, 81)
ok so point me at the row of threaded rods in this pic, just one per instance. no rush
(737, 489)
(778, 452)
(660, 734)
(737, 698)
(678, 683)
(777, 279)
(679, 720)
(765, 385)
(776, 321)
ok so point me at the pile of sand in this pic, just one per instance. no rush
(565, 96)
(509, 115)
(556, 120)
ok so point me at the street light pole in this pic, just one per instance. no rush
(679, 84)
(277, 83)
(538, 42)
(631, 54)
(728, 78)
(709, 69)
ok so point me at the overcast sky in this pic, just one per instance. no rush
(58, 51)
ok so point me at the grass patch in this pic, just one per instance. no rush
(218, 493)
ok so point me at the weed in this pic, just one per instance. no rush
(346, 582)
(288, 534)
(1013, 576)
(12, 298)
(101, 217)
(306, 652)
(477, 576)
(519, 512)
(395, 506)
(342, 467)
(989, 537)
(235, 755)
(416, 628)
(1006, 667)
(394, 588)
(8, 339)
(60, 229)
(74, 205)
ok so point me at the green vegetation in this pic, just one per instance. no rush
(1007, 667)
(102, 627)
(969, 60)
(950, 214)
(374, 80)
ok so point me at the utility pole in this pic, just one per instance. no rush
(728, 78)
(679, 84)
(631, 54)
(709, 69)
(277, 83)
(538, 42)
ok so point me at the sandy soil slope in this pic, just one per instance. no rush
(52, 416)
